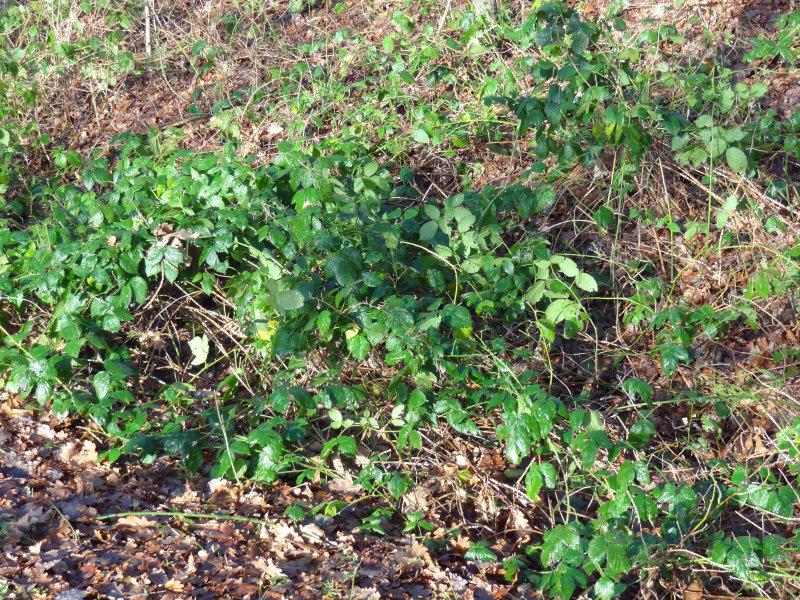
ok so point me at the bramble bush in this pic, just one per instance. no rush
(257, 321)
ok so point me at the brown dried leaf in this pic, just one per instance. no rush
(694, 591)
(135, 522)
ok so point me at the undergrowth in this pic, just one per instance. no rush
(327, 314)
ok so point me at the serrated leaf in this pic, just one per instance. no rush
(704, 121)
(464, 219)
(290, 300)
(604, 589)
(432, 322)
(344, 266)
(535, 292)
(152, 260)
(586, 282)
(269, 459)
(397, 485)
(399, 319)
(557, 542)
(617, 558)
(428, 230)
(562, 309)
(641, 432)
(421, 136)
(139, 288)
(638, 387)
(516, 433)
(347, 445)
(671, 356)
(737, 160)
(568, 267)
(545, 197)
(481, 553)
(533, 482)
(604, 217)
(323, 322)
(102, 384)
(358, 346)
(280, 400)
(458, 317)
(597, 549)
(432, 211)
(549, 475)
(199, 347)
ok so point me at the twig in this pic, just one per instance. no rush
(148, 48)
(185, 515)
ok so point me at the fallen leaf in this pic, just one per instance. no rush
(694, 591)
(174, 586)
(84, 455)
(135, 522)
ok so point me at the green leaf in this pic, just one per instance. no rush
(533, 482)
(347, 445)
(704, 121)
(269, 459)
(432, 211)
(397, 485)
(102, 384)
(323, 322)
(139, 288)
(549, 475)
(545, 197)
(734, 134)
(737, 160)
(517, 435)
(671, 356)
(464, 219)
(280, 400)
(727, 98)
(568, 267)
(199, 347)
(511, 567)
(557, 542)
(586, 282)
(604, 218)
(458, 317)
(290, 300)
(562, 309)
(112, 323)
(295, 513)
(421, 136)
(344, 266)
(172, 259)
(716, 146)
(129, 261)
(152, 260)
(432, 322)
(535, 292)
(641, 432)
(638, 388)
(428, 230)
(398, 319)
(739, 475)
(604, 589)
(358, 346)
(480, 552)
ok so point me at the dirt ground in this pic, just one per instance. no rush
(63, 535)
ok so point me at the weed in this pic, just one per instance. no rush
(324, 312)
